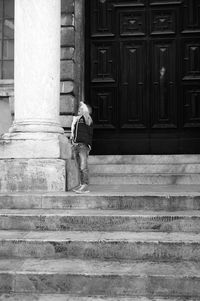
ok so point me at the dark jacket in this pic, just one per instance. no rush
(82, 132)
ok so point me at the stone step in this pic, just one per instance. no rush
(145, 179)
(134, 197)
(145, 159)
(64, 297)
(100, 245)
(95, 278)
(99, 220)
(144, 168)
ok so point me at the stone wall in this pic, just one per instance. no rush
(5, 115)
(6, 105)
(67, 99)
(72, 37)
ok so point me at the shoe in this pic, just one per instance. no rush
(76, 188)
(82, 189)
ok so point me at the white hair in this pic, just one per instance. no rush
(86, 113)
(84, 107)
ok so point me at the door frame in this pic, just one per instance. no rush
(79, 56)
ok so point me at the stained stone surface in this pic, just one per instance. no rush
(146, 179)
(63, 297)
(101, 245)
(149, 246)
(32, 175)
(121, 197)
(111, 220)
(111, 278)
(145, 168)
(144, 159)
(72, 174)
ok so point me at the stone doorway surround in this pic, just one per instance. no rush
(36, 153)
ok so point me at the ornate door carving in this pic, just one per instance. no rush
(143, 75)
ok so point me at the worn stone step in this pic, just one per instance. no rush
(101, 245)
(99, 220)
(64, 297)
(93, 278)
(144, 168)
(136, 197)
(145, 179)
(144, 159)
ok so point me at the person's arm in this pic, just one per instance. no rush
(75, 118)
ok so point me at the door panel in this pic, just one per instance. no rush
(132, 84)
(143, 75)
(163, 84)
(103, 67)
(104, 107)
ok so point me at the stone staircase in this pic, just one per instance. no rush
(119, 242)
(153, 170)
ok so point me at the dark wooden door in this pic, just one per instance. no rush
(143, 75)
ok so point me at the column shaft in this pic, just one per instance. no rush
(37, 66)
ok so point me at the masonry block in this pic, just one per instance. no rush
(32, 175)
(66, 87)
(67, 104)
(67, 36)
(67, 53)
(66, 121)
(72, 176)
(67, 6)
(5, 115)
(67, 70)
(67, 19)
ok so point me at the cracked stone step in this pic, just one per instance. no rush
(99, 220)
(135, 197)
(100, 245)
(93, 278)
(64, 297)
(144, 168)
(145, 179)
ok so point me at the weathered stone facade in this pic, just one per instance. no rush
(72, 62)
(67, 99)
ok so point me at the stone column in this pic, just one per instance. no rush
(36, 129)
(33, 154)
(37, 66)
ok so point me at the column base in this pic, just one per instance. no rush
(35, 145)
(36, 162)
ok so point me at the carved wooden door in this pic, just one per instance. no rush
(143, 75)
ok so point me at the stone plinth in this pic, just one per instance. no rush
(37, 175)
(32, 174)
